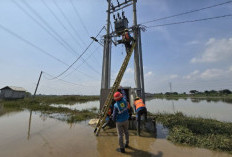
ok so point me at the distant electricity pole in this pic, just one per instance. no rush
(37, 83)
(170, 85)
(138, 61)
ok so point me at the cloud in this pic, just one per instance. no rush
(191, 75)
(230, 69)
(216, 51)
(174, 76)
(209, 74)
(212, 73)
(150, 73)
(129, 70)
(194, 42)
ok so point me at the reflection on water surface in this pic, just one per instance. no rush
(50, 137)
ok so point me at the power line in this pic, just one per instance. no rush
(68, 21)
(66, 81)
(31, 44)
(45, 23)
(82, 63)
(43, 27)
(60, 22)
(78, 15)
(36, 47)
(190, 21)
(188, 12)
(79, 56)
(63, 43)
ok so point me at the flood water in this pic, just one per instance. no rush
(219, 110)
(26, 134)
(48, 137)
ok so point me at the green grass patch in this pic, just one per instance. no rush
(42, 104)
(204, 133)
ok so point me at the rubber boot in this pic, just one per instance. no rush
(122, 150)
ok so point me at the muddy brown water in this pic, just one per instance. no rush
(49, 137)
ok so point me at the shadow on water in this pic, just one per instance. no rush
(138, 153)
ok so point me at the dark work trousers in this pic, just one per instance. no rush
(122, 128)
(138, 117)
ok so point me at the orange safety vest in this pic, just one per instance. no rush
(139, 103)
(127, 36)
(128, 105)
(109, 111)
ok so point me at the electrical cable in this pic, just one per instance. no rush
(79, 56)
(82, 64)
(65, 45)
(60, 22)
(68, 21)
(187, 12)
(66, 81)
(31, 44)
(78, 15)
(36, 47)
(45, 23)
(190, 21)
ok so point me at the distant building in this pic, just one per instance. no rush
(11, 92)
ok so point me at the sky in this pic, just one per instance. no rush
(49, 35)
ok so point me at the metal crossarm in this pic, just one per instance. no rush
(116, 84)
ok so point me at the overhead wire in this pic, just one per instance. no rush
(190, 21)
(31, 44)
(78, 15)
(79, 56)
(68, 21)
(59, 40)
(60, 22)
(48, 26)
(65, 80)
(37, 47)
(82, 63)
(187, 12)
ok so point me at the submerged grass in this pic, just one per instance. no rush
(204, 133)
(42, 104)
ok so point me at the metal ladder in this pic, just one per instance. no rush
(116, 84)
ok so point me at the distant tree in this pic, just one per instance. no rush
(175, 93)
(225, 91)
(193, 91)
(213, 92)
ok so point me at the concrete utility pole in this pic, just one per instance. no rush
(37, 84)
(141, 66)
(106, 66)
(138, 63)
(136, 53)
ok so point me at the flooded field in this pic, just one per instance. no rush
(49, 137)
(219, 110)
(215, 109)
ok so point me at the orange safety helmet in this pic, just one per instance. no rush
(117, 96)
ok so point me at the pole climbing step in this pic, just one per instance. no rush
(116, 84)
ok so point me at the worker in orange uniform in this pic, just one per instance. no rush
(109, 120)
(126, 40)
(120, 115)
(140, 109)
